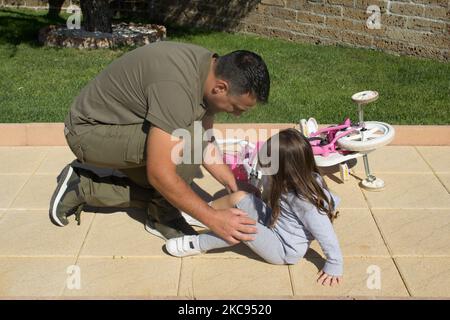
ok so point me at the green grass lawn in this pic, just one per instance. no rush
(37, 84)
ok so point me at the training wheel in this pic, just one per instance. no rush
(364, 97)
(375, 184)
(307, 127)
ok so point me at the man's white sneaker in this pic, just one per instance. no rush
(183, 246)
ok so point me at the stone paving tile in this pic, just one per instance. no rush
(427, 276)
(119, 234)
(21, 160)
(357, 233)
(207, 187)
(36, 194)
(445, 179)
(9, 188)
(409, 191)
(416, 232)
(127, 277)
(55, 160)
(33, 277)
(394, 159)
(359, 279)
(28, 234)
(438, 157)
(412, 213)
(233, 277)
(349, 191)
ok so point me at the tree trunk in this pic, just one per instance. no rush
(54, 8)
(97, 15)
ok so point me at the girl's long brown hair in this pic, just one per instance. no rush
(297, 173)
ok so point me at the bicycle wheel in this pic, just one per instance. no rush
(376, 135)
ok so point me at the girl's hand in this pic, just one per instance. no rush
(326, 279)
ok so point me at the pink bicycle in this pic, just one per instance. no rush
(332, 145)
(341, 143)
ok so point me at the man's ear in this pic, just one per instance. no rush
(221, 87)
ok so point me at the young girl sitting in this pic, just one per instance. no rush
(299, 208)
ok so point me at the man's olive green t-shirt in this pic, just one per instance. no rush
(160, 82)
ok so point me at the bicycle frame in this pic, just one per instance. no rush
(332, 135)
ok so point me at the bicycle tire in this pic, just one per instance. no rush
(351, 142)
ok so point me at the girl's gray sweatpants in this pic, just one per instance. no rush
(267, 243)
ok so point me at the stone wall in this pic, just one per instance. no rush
(411, 27)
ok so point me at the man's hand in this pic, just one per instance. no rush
(233, 225)
(326, 279)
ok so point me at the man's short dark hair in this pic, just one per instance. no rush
(246, 72)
